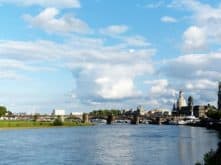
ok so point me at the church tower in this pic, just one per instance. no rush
(190, 104)
(219, 96)
(181, 102)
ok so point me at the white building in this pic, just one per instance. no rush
(58, 112)
(181, 102)
(76, 113)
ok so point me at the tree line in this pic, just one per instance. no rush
(105, 112)
(4, 111)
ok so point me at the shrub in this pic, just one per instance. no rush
(58, 121)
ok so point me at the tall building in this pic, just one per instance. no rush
(219, 96)
(181, 102)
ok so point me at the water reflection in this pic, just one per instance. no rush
(114, 146)
(101, 145)
(193, 142)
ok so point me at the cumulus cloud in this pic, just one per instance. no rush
(45, 3)
(99, 76)
(168, 19)
(51, 21)
(160, 88)
(113, 79)
(206, 20)
(194, 66)
(194, 39)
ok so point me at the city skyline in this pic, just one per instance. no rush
(82, 55)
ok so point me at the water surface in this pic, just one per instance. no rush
(107, 145)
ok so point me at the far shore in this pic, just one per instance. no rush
(6, 124)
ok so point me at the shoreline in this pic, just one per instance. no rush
(10, 125)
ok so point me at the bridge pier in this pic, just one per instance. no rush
(110, 119)
(85, 118)
(135, 119)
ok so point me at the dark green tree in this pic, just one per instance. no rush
(214, 114)
(58, 121)
(3, 111)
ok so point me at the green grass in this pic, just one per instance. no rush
(27, 124)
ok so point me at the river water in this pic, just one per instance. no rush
(107, 145)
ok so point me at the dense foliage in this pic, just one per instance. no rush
(58, 121)
(105, 112)
(214, 114)
(212, 157)
(3, 111)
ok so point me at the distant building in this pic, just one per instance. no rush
(219, 96)
(198, 111)
(140, 110)
(182, 109)
(158, 113)
(58, 112)
(181, 102)
(76, 113)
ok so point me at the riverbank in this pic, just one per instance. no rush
(213, 157)
(37, 124)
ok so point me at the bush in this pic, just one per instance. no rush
(214, 114)
(58, 121)
(3, 111)
(213, 157)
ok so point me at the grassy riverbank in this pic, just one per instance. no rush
(37, 124)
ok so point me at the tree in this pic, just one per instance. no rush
(214, 114)
(3, 111)
(58, 121)
(36, 117)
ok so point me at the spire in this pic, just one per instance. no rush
(190, 104)
(219, 96)
(190, 101)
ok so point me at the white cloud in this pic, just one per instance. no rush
(168, 19)
(45, 3)
(194, 39)
(160, 88)
(50, 21)
(196, 74)
(99, 76)
(118, 88)
(206, 18)
(201, 84)
(194, 66)
(114, 29)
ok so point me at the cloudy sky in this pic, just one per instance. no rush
(81, 55)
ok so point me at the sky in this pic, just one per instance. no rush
(81, 55)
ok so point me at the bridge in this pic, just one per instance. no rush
(134, 119)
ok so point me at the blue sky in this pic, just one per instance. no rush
(81, 55)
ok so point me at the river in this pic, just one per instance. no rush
(106, 145)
